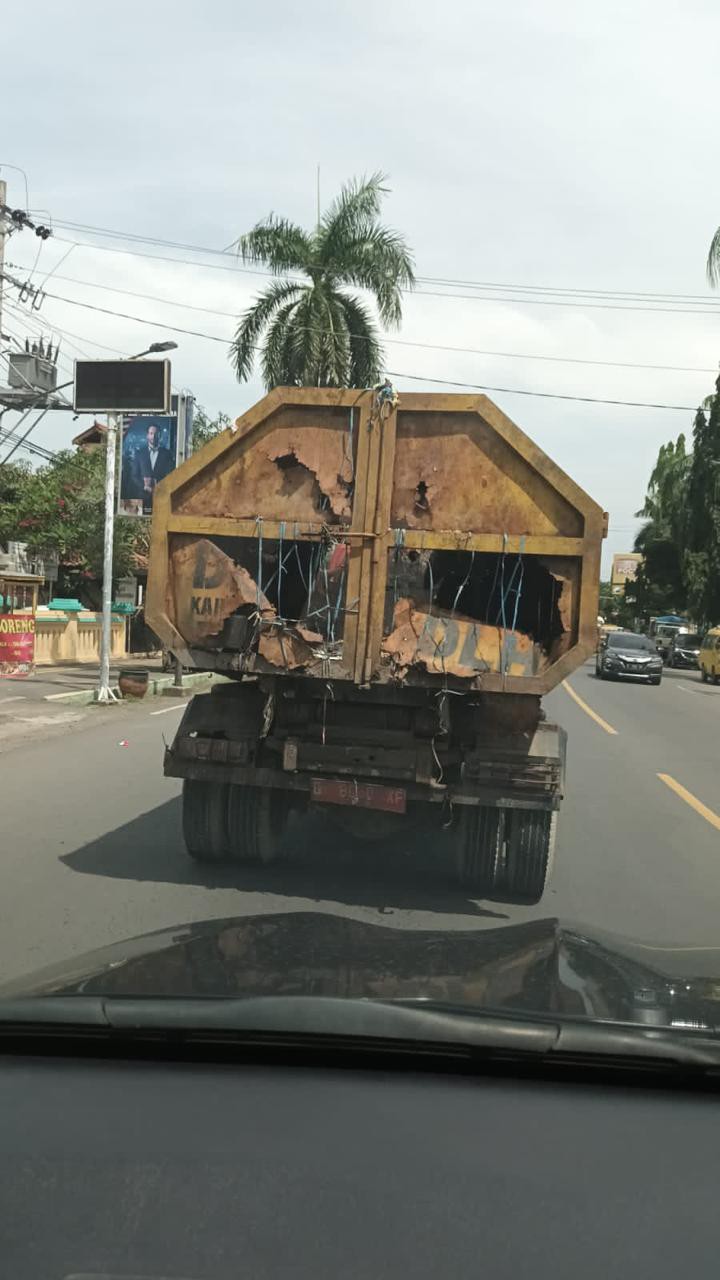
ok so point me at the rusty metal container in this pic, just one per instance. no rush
(361, 537)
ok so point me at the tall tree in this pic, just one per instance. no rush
(659, 584)
(315, 332)
(701, 565)
(712, 266)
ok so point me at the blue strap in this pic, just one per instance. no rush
(280, 565)
(259, 527)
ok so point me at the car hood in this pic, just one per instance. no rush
(642, 654)
(541, 966)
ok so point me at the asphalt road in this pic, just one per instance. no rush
(91, 850)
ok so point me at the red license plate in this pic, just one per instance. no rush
(361, 795)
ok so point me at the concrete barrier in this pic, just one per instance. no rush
(74, 637)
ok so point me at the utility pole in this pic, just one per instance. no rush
(3, 203)
(104, 692)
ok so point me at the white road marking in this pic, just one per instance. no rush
(17, 697)
(180, 707)
(49, 696)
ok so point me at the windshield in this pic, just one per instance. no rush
(625, 640)
(357, 473)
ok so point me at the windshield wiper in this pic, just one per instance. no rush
(420, 1025)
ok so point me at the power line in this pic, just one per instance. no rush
(400, 342)
(7, 437)
(556, 302)
(155, 324)
(630, 294)
(543, 395)
(183, 262)
(708, 306)
(64, 333)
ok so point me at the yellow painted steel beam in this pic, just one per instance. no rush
(545, 544)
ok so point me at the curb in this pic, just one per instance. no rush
(159, 685)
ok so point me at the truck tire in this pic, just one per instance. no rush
(256, 820)
(478, 842)
(530, 836)
(204, 820)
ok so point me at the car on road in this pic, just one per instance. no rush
(684, 649)
(627, 656)
(709, 660)
(664, 630)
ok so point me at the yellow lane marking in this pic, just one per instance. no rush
(588, 710)
(690, 799)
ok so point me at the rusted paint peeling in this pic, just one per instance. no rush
(450, 644)
(289, 647)
(208, 587)
(564, 573)
(299, 471)
(564, 605)
(308, 454)
(474, 480)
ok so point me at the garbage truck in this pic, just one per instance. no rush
(388, 584)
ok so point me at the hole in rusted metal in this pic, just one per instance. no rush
(422, 501)
(516, 594)
(295, 476)
(305, 599)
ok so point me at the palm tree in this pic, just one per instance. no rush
(712, 266)
(313, 332)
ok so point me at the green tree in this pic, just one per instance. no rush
(608, 602)
(712, 266)
(60, 507)
(660, 582)
(701, 560)
(314, 332)
(206, 428)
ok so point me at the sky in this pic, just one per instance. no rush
(564, 145)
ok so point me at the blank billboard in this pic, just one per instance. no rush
(122, 386)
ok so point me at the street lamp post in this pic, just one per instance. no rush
(104, 692)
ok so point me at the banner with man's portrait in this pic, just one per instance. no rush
(149, 453)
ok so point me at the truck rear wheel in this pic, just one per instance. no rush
(530, 836)
(256, 819)
(478, 844)
(204, 820)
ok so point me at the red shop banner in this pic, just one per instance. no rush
(17, 645)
